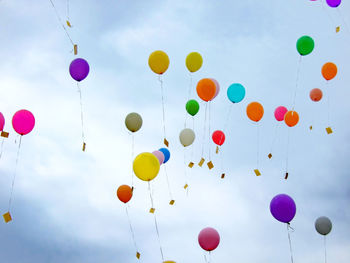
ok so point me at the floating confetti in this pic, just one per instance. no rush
(210, 165)
(201, 162)
(5, 134)
(7, 217)
(172, 202)
(166, 143)
(190, 164)
(329, 130)
(270, 156)
(257, 172)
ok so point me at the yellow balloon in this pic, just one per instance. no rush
(158, 61)
(194, 61)
(146, 166)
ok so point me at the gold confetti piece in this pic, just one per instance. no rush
(337, 29)
(138, 255)
(286, 177)
(329, 130)
(152, 210)
(310, 127)
(172, 202)
(201, 162)
(166, 142)
(270, 156)
(257, 172)
(84, 146)
(217, 149)
(222, 176)
(186, 185)
(75, 49)
(210, 165)
(68, 23)
(190, 164)
(7, 217)
(4, 134)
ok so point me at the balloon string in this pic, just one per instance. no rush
(287, 150)
(328, 105)
(343, 19)
(328, 14)
(257, 146)
(209, 130)
(167, 180)
(163, 107)
(131, 228)
(204, 126)
(155, 221)
(274, 137)
(67, 10)
(188, 96)
(297, 81)
(132, 159)
(81, 113)
(61, 22)
(185, 167)
(325, 250)
(15, 172)
(228, 117)
(290, 243)
(2, 147)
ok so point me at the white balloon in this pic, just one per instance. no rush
(323, 225)
(187, 137)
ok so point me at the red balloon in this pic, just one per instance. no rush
(218, 137)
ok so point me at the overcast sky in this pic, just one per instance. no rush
(65, 208)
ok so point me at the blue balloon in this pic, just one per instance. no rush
(166, 153)
(236, 92)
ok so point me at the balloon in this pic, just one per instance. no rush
(333, 3)
(187, 137)
(2, 121)
(329, 70)
(166, 153)
(283, 208)
(133, 122)
(124, 193)
(160, 156)
(255, 111)
(79, 69)
(291, 118)
(323, 225)
(158, 61)
(146, 166)
(194, 61)
(217, 87)
(305, 45)
(23, 122)
(316, 94)
(209, 239)
(280, 112)
(192, 107)
(206, 89)
(236, 92)
(218, 137)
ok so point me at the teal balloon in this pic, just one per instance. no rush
(236, 92)
(192, 107)
(305, 45)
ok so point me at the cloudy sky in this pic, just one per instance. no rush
(65, 208)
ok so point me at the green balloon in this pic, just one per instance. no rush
(305, 45)
(192, 107)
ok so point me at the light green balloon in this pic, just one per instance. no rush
(305, 45)
(192, 107)
(133, 122)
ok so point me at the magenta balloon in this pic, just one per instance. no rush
(79, 69)
(160, 156)
(209, 239)
(217, 88)
(280, 112)
(2, 121)
(333, 3)
(283, 208)
(23, 122)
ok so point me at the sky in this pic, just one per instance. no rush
(65, 207)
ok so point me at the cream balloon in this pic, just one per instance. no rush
(187, 137)
(133, 122)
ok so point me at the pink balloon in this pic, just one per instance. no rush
(217, 88)
(160, 156)
(23, 122)
(2, 121)
(209, 239)
(280, 112)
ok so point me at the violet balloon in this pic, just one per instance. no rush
(79, 69)
(160, 156)
(209, 239)
(23, 122)
(333, 3)
(283, 208)
(2, 121)
(217, 88)
(280, 112)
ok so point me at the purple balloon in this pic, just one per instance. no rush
(283, 208)
(333, 3)
(79, 69)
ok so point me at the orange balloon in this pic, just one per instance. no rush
(206, 89)
(124, 193)
(291, 118)
(255, 111)
(329, 70)
(316, 95)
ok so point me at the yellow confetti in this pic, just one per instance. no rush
(166, 142)
(257, 172)
(172, 202)
(84, 146)
(68, 23)
(75, 49)
(329, 130)
(138, 255)
(190, 164)
(201, 162)
(222, 176)
(7, 217)
(210, 165)
(217, 149)
(152, 210)
(270, 156)
(337, 29)
(186, 185)
(4, 134)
